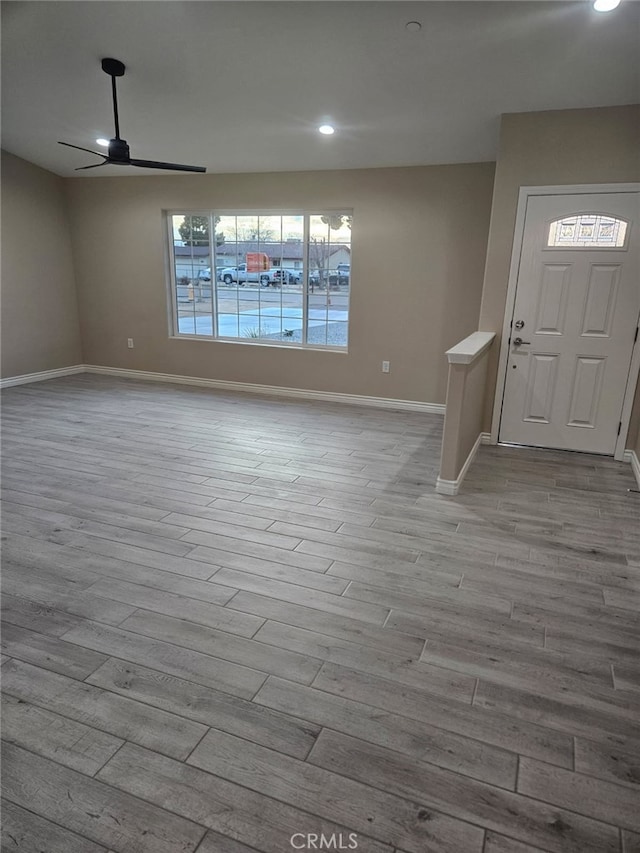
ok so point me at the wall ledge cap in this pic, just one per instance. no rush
(471, 348)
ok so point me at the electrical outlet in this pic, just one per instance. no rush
(130, 343)
(386, 366)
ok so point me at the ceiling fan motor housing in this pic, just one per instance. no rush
(119, 151)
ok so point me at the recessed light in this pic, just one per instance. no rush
(605, 5)
(327, 129)
(104, 142)
(413, 26)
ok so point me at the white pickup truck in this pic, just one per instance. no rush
(241, 275)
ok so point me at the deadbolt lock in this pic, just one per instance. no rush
(519, 324)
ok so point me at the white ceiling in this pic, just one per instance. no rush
(242, 86)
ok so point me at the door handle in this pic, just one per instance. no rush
(517, 342)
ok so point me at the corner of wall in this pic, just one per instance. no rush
(40, 321)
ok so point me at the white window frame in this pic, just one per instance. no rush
(172, 292)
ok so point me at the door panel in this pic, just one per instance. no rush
(586, 387)
(552, 302)
(577, 307)
(602, 292)
(541, 385)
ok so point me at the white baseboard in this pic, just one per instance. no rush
(448, 487)
(26, 378)
(452, 487)
(272, 390)
(632, 457)
(221, 384)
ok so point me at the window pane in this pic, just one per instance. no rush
(329, 279)
(250, 325)
(588, 230)
(338, 335)
(192, 274)
(228, 326)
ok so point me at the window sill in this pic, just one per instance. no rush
(256, 343)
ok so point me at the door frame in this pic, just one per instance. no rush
(518, 236)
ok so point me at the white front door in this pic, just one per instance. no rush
(574, 324)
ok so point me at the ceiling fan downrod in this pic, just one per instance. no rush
(114, 68)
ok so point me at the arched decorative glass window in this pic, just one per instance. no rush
(587, 230)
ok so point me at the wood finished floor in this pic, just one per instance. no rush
(229, 619)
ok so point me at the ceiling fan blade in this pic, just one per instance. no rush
(174, 167)
(69, 145)
(95, 166)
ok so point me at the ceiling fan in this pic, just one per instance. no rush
(118, 151)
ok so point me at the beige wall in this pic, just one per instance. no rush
(633, 436)
(40, 328)
(418, 259)
(588, 146)
(419, 243)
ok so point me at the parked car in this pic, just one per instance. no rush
(341, 276)
(333, 277)
(286, 276)
(204, 275)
